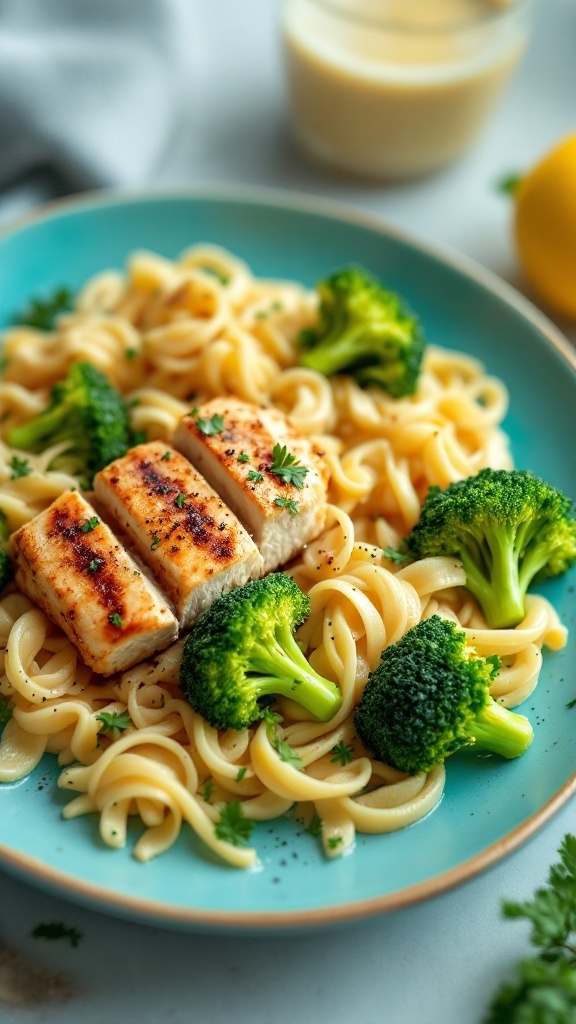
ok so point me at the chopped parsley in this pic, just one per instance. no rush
(180, 499)
(243, 457)
(289, 504)
(285, 752)
(43, 313)
(232, 827)
(5, 712)
(314, 827)
(95, 564)
(130, 353)
(571, 703)
(288, 467)
(19, 467)
(166, 456)
(544, 988)
(116, 620)
(114, 722)
(253, 475)
(241, 773)
(57, 930)
(394, 555)
(207, 790)
(90, 524)
(343, 753)
(212, 426)
(224, 279)
(155, 542)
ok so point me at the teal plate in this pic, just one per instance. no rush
(489, 807)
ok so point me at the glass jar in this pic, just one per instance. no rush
(395, 88)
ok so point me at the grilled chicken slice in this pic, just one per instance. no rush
(234, 444)
(71, 565)
(192, 543)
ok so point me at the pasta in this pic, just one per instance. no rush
(171, 332)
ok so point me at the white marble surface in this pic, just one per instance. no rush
(438, 962)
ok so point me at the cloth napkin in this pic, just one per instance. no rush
(92, 94)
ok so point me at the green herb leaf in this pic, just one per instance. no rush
(43, 313)
(288, 467)
(116, 620)
(19, 467)
(56, 930)
(343, 753)
(155, 542)
(180, 499)
(314, 827)
(253, 475)
(232, 826)
(113, 722)
(166, 456)
(289, 504)
(241, 773)
(394, 555)
(552, 911)
(212, 426)
(334, 841)
(5, 712)
(95, 564)
(90, 524)
(243, 457)
(508, 184)
(207, 790)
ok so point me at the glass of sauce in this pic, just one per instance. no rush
(397, 88)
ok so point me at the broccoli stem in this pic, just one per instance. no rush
(497, 588)
(501, 731)
(44, 428)
(282, 669)
(336, 353)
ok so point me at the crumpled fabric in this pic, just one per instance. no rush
(93, 94)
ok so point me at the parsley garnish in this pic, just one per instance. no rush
(571, 703)
(43, 313)
(180, 499)
(116, 620)
(95, 564)
(224, 279)
(166, 456)
(207, 790)
(334, 841)
(212, 426)
(253, 475)
(5, 712)
(130, 353)
(545, 987)
(288, 503)
(19, 467)
(288, 467)
(285, 752)
(155, 542)
(243, 457)
(90, 524)
(232, 826)
(394, 555)
(314, 827)
(56, 930)
(241, 773)
(343, 753)
(113, 722)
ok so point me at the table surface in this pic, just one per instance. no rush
(437, 962)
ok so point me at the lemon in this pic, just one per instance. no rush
(545, 227)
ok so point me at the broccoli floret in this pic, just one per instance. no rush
(508, 527)
(6, 568)
(243, 649)
(87, 412)
(429, 696)
(366, 332)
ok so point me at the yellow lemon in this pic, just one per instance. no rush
(545, 227)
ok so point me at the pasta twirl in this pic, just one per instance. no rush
(169, 333)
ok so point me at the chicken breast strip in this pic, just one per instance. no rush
(192, 543)
(73, 567)
(271, 476)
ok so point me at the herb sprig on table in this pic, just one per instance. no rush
(544, 989)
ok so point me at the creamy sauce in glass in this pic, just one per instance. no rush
(393, 88)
